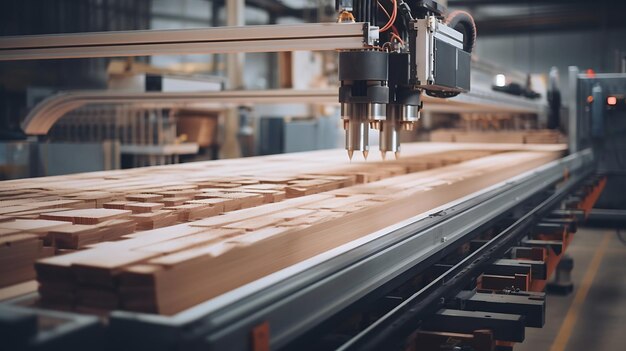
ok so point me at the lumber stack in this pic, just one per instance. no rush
(18, 252)
(163, 239)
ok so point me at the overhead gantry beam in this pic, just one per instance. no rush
(265, 38)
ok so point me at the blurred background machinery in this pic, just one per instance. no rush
(523, 49)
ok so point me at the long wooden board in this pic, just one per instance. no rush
(225, 223)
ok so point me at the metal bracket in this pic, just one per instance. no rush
(507, 327)
(530, 305)
(371, 34)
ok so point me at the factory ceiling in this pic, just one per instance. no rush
(493, 17)
(501, 17)
(498, 17)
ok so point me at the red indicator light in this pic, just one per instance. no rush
(611, 100)
(589, 99)
(591, 73)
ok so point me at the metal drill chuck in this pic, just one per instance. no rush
(408, 116)
(363, 95)
(376, 113)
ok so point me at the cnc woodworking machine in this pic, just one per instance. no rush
(471, 267)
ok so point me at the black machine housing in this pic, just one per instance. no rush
(438, 47)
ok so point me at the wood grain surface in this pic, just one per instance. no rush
(163, 239)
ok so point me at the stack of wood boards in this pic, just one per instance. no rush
(163, 239)
(536, 136)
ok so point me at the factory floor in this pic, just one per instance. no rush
(593, 317)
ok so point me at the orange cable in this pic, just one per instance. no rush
(394, 35)
(392, 17)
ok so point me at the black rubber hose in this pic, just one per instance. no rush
(374, 12)
(464, 23)
(364, 9)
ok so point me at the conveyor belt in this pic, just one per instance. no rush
(298, 298)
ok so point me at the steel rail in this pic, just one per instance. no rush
(67, 330)
(263, 38)
(45, 114)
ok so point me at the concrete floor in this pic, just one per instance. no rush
(593, 317)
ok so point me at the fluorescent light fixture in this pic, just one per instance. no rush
(500, 80)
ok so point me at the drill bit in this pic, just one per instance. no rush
(365, 153)
(397, 154)
(389, 137)
(357, 131)
(350, 153)
(383, 155)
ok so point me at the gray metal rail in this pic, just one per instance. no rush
(45, 114)
(263, 38)
(26, 328)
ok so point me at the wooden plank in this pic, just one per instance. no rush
(14, 208)
(193, 211)
(153, 220)
(144, 207)
(175, 201)
(86, 216)
(39, 226)
(117, 205)
(18, 253)
(5, 231)
(144, 197)
(189, 241)
(36, 213)
(19, 289)
(101, 267)
(75, 236)
(302, 243)
(254, 223)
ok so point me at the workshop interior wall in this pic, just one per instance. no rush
(537, 52)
